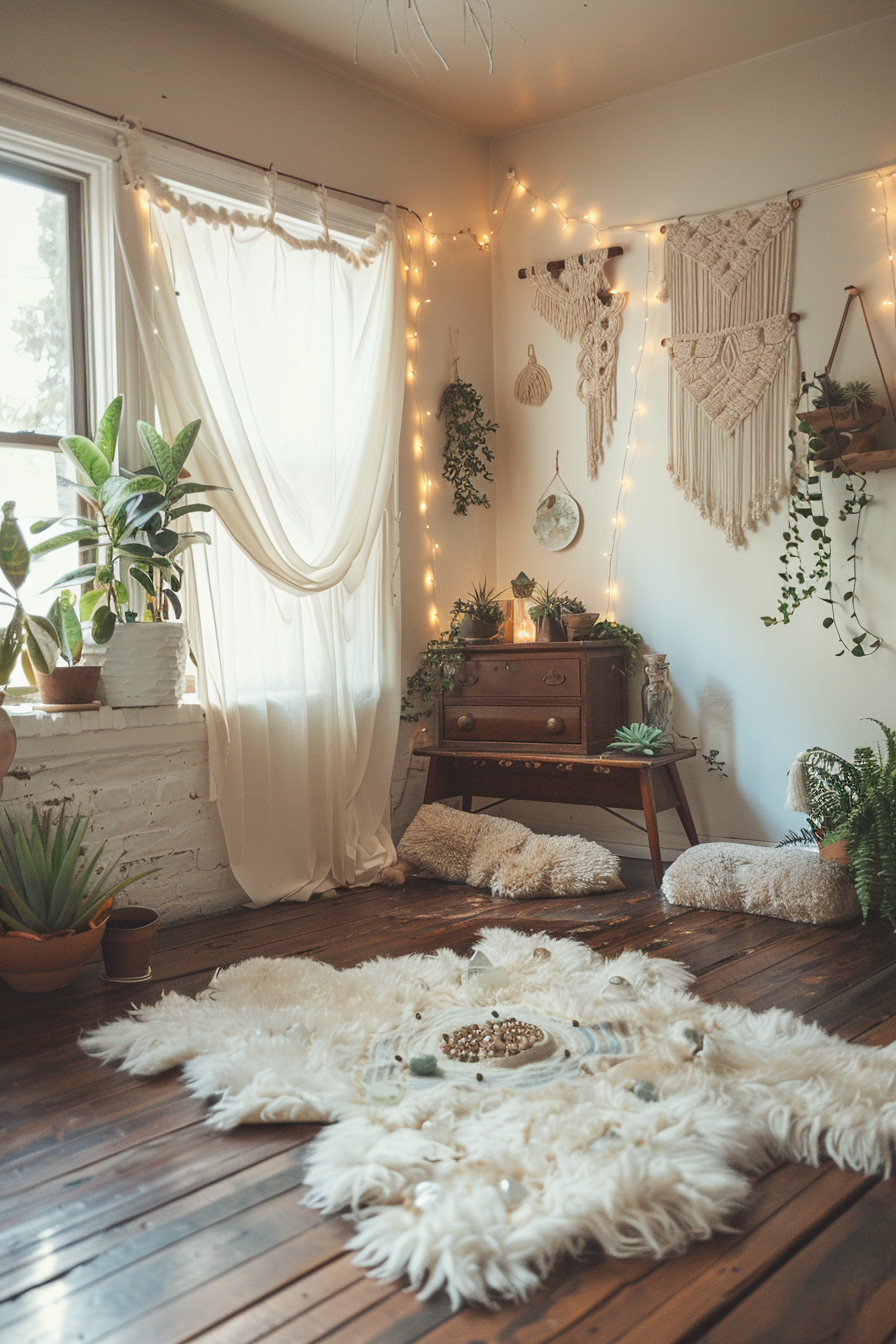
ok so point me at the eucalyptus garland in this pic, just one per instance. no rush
(466, 452)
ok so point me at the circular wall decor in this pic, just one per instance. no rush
(556, 521)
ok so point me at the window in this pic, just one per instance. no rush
(43, 366)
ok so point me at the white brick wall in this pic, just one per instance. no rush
(142, 775)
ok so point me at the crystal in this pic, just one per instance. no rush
(645, 1091)
(426, 1193)
(424, 1066)
(478, 963)
(618, 988)
(512, 1192)
(496, 978)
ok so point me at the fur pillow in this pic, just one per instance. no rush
(504, 856)
(786, 883)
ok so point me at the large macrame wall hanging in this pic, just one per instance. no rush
(577, 303)
(733, 362)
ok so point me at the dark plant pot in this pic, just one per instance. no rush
(550, 631)
(34, 964)
(127, 942)
(471, 628)
(68, 685)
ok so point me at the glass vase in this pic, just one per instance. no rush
(657, 698)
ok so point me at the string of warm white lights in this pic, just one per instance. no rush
(885, 212)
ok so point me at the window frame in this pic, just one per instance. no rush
(72, 189)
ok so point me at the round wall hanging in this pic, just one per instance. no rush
(557, 515)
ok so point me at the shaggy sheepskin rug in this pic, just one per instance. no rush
(786, 883)
(627, 1114)
(501, 854)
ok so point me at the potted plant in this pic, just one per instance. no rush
(638, 739)
(478, 616)
(23, 633)
(851, 808)
(76, 683)
(131, 535)
(52, 911)
(577, 622)
(843, 423)
(547, 612)
(603, 629)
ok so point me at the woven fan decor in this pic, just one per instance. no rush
(533, 386)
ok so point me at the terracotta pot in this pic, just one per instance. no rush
(35, 964)
(550, 631)
(127, 942)
(579, 624)
(834, 851)
(7, 743)
(68, 685)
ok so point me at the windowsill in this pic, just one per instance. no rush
(32, 721)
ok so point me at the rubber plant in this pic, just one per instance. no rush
(803, 578)
(33, 636)
(467, 452)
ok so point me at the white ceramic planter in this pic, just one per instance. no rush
(145, 665)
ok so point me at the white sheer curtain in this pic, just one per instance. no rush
(294, 360)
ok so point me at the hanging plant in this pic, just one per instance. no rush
(435, 676)
(466, 452)
(804, 578)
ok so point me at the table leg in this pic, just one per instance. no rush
(648, 803)
(434, 790)
(684, 812)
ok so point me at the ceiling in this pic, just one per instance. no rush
(551, 57)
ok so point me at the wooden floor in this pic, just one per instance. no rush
(125, 1220)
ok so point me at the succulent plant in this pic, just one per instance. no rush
(638, 739)
(481, 602)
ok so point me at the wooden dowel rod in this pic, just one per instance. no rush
(792, 317)
(555, 267)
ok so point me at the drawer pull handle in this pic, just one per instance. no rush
(555, 725)
(509, 667)
(465, 679)
(553, 678)
(466, 723)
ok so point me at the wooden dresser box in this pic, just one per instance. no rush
(569, 698)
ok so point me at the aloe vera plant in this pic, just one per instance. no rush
(42, 888)
(638, 739)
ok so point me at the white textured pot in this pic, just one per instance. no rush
(145, 665)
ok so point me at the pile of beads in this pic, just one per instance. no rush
(493, 1040)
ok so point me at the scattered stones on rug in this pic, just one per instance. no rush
(495, 1040)
(786, 883)
(424, 1066)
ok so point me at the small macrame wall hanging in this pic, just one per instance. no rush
(577, 302)
(734, 372)
(533, 386)
(557, 515)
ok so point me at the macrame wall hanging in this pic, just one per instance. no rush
(734, 373)
(577, 302)
(533, 386)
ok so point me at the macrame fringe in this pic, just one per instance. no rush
(137, 174)
(533, 386)
(797, 798)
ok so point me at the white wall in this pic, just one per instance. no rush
(739, 135)
(188, 75)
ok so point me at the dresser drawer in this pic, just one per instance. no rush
(518, 678)
(472, 722)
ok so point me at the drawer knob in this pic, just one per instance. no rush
(466, 723)
(555, 725)
(509, 667)
(553, 678)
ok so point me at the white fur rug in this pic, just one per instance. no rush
(634, 1130)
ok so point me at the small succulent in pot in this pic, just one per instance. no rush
(638, 739)
(478, 615)
(547, 611)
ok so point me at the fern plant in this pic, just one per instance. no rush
(855, 801)
(467, 452)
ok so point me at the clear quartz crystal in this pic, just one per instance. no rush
(512, 1192)
(618, 987)
(426, 1193)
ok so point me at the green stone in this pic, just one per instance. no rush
(425, 1066)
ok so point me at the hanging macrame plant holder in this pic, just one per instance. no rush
(850, 435)
(533, 386)
(734, 370)
(577, 303)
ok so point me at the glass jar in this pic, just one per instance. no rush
(657, 698)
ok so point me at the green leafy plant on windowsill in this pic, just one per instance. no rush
(467, 452)
(855, 801)
(24, 634)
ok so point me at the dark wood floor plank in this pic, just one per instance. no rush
(840, 1287)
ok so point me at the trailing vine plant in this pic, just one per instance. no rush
(467, 452)
(801, 578)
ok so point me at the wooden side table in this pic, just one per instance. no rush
(643, 783)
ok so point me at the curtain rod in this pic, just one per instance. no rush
(203, 149)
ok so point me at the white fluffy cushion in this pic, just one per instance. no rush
(505, 856)
(786, 883)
